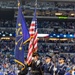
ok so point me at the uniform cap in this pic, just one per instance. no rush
(35, 54)
(62, 57)
(48, 56)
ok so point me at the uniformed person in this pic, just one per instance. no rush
(61, 67)
(48, 66)
(36, 65)
(25, 70)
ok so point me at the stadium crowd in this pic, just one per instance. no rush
(7, 47)
(9, 67)
(41, 24)
(46, 27)
(7, 23)
(51, 4)
(52, 50)
(40, 4)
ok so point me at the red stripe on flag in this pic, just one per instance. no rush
(32, 29)
(32, 24)
(33, 42)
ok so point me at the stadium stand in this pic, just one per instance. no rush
(51, 19)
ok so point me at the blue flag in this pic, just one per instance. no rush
(21, 22)
(22, 35)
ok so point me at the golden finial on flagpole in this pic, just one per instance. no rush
(36, 3)
(18, 3)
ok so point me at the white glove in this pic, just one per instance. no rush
(73, 72)
(54, 69)
(29, 68)
(32, 58)
(18, 71)
(38, 62)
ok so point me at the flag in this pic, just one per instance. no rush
(22, 35)
(33, 42)
(30, 52)
(22, 22)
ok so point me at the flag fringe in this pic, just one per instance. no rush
(20, 63)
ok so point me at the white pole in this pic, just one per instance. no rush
(36, 3)
(54, 71)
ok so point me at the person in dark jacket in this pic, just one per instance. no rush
(48, 66)
(25, 70)
(61, 67)
(36, 65)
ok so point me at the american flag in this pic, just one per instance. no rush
(33, 42)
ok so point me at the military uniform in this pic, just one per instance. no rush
(48, 67)
(36, 66)
(61, 67)
(24, 71)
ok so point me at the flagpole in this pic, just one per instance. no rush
(36, 15)
(22, 35)
(36, 4)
